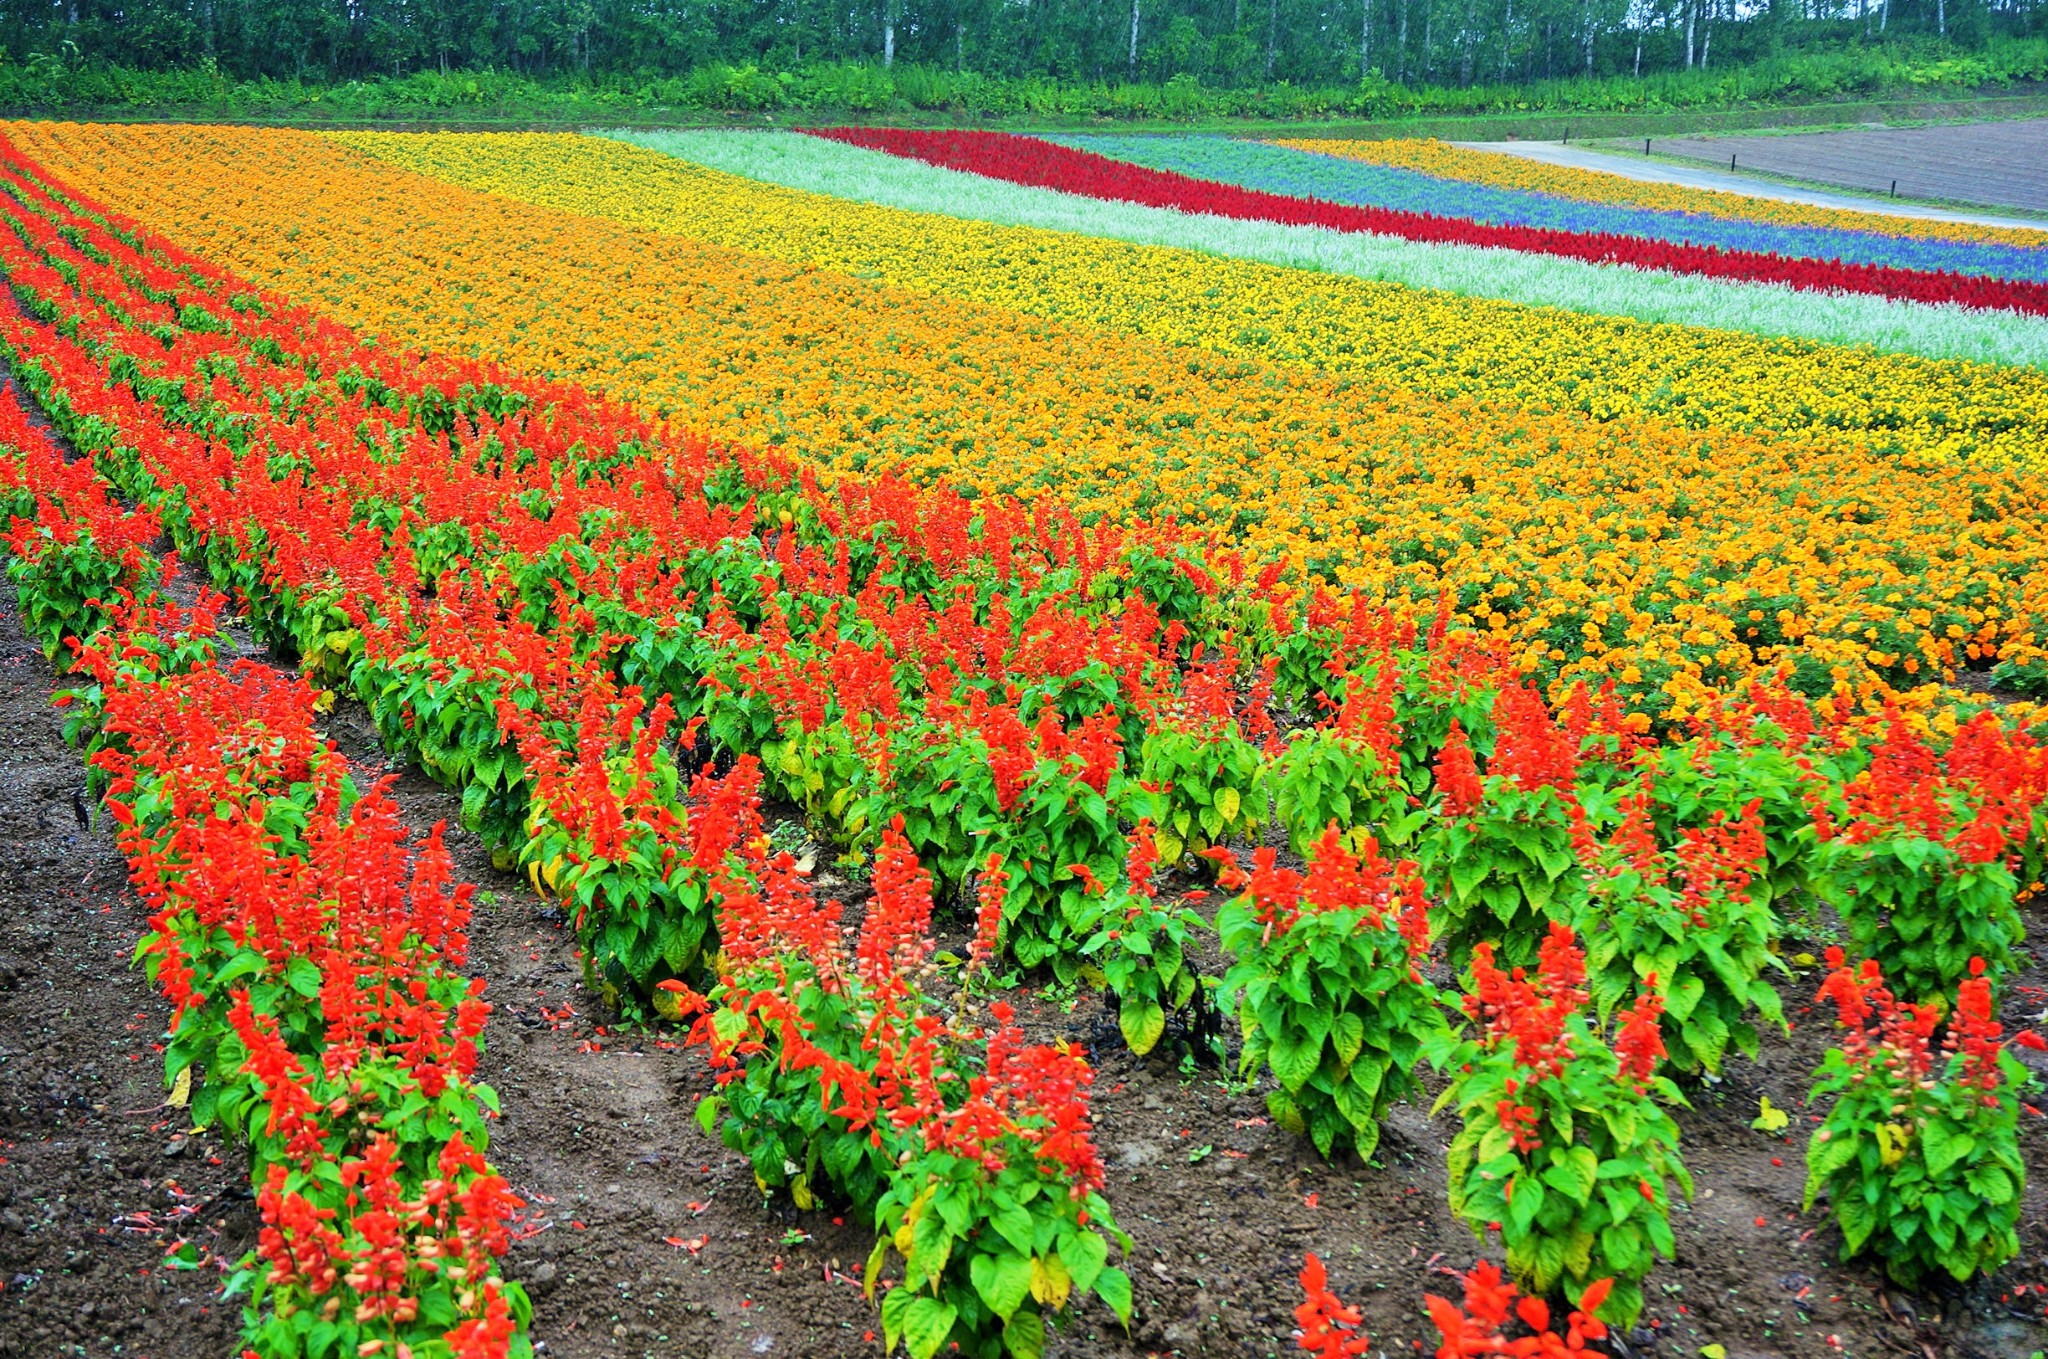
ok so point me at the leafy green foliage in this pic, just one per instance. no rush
(1199, 786)
(1327, 986)
(608, 834)
(1921, 909)
(1913, 852)
(1326, 776)
(68, 584)
(1919, 1153)
(1691, 921)
(1142, 946)
(986, 1257)
(1504, 871)
(1566, 1149)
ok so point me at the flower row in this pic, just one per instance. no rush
(1031, 160)
(856, 175)
(312, 957)
(1664, 562)
(1442, 160)
(1313, 170)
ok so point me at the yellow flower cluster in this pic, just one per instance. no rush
(1503, 171)
(1436, 345)
(1670, 560)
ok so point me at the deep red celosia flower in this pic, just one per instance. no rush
(1328, 1329)
(1491, 1307)
(1640, 1043)
(1457, 773)
(895, 937)
(1529, 745)
(1531, 1012)
(990, 894)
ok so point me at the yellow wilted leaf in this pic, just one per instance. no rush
(1227, 803)
(1769, 1117)
(1805, 959)
(1713, 1352)
(876, 1259)
(1050, 1281)
(181, 1090)
(1892, 1141)
(800, 1193)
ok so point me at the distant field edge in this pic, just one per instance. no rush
(1533, 126)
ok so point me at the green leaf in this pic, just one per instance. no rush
(1013, 1223)
(302, 974)
(1024, 1335)
(927, 1325)
(931, 1245)
(895, 1303)
(1085, 1254)
(1347, 1035)
(1943, 1144)
(1113, 1286)
(241, 965)
(1295, 1061)
(1681, 996)
(1002, 1280)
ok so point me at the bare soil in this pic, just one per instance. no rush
(643, 1237)
(1999, 164)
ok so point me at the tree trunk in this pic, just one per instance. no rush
(1941, 18)
(1586, 16)
(1401, 40)
(1469, 42)
(1691, 15)
(888, 41)
(1134, 39)
(1364, 38)
(1272, 34)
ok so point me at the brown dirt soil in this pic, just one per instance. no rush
(643, 1237)
(2002, 164)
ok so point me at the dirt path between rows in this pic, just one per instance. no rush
(96, 1182)
(645, 1238)
(1718, 149)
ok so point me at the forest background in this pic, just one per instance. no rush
(1176, 61)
